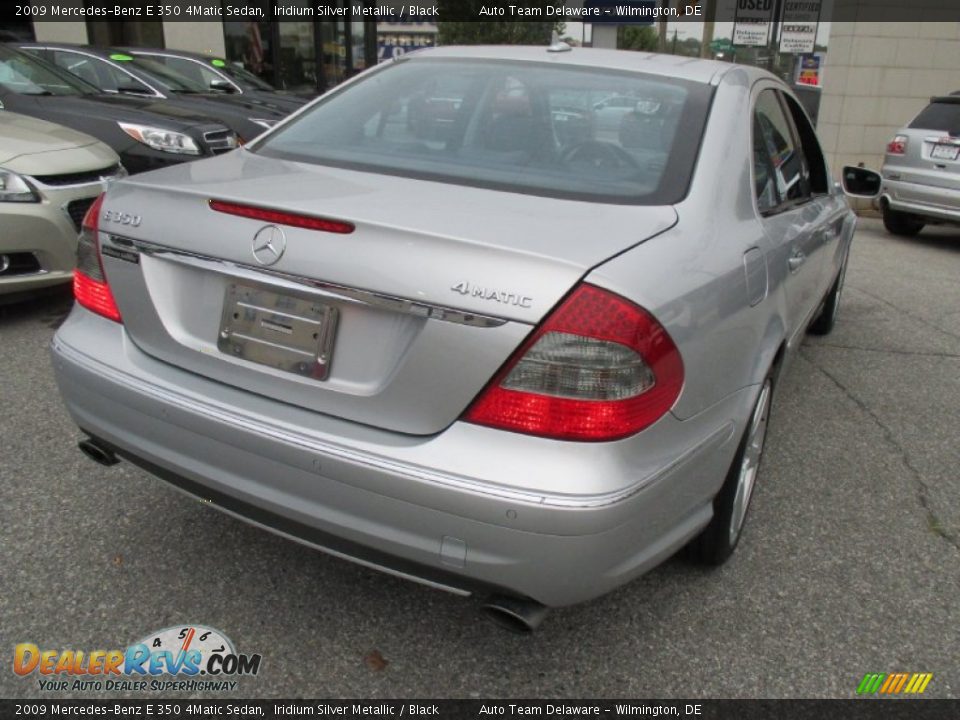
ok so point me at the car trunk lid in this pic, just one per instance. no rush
(414, 310)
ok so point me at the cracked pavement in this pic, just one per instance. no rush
(849, 563)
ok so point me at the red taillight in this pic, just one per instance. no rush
(898, 146)
(90, 286)
(598, 368)
(282, 218)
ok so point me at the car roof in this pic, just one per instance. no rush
(675, 66)
(169, 51)
(91, 49)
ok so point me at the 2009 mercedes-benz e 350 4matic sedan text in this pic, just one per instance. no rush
(501, 349)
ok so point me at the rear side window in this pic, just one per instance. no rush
(942, 116)
(543, 129)
(816, 166)
(777, 152)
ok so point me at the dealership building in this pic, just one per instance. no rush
(878, 72)
(292, 54)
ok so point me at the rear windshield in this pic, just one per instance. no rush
(525, 127)
(943, 116)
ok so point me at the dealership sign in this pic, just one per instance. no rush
(751, 24)
(798, 33)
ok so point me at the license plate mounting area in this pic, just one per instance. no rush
(284, 329)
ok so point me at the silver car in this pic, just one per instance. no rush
(921, 170)
(484, 359)
(49, 177)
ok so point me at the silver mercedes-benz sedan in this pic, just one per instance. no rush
(501, 349)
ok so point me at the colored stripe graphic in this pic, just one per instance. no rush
(870, 683)
(894, 683)
(918, 683)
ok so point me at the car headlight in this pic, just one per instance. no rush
(13, 188)
(159, 139)
(263, 122)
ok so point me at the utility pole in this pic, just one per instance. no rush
(708, 22)
(775, 42)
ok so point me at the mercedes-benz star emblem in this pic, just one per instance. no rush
(269, 244)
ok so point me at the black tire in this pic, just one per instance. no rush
(902, 224)
(824, 322)
(719, 539)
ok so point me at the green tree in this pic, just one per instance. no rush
(638, 37)
(503, 32)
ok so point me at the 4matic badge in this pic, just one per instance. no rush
(487, 293)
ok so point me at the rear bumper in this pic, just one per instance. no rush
(390, 501)
(935, 203)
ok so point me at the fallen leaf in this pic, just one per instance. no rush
(375, 661)
(118, 560)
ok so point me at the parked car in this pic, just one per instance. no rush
(220, 75)
(609, 112)
(489, 361)
(144, 133)
(49, 177)
(112, 71)
(921, 170)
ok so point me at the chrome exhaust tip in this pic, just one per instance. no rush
(518, 615)
(97, 452)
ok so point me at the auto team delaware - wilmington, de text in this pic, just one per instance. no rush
(356, 10)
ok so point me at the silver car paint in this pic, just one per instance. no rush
(384, 361)
(555, 521)
(918, 184)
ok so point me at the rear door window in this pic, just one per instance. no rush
(774, 134)
(815, 167)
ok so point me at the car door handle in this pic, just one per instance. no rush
(796, 260)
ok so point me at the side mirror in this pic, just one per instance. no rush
(861, 182)
(132, 89)
(220, 85)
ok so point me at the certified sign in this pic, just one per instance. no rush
(798, 34)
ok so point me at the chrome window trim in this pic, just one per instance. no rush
(202, 64)
(77, 51)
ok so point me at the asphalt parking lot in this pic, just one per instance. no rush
(850, 562)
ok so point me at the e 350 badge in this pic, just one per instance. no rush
(178, 658)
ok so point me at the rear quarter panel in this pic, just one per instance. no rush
(692, 277)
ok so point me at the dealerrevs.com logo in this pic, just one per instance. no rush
(187, 658)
